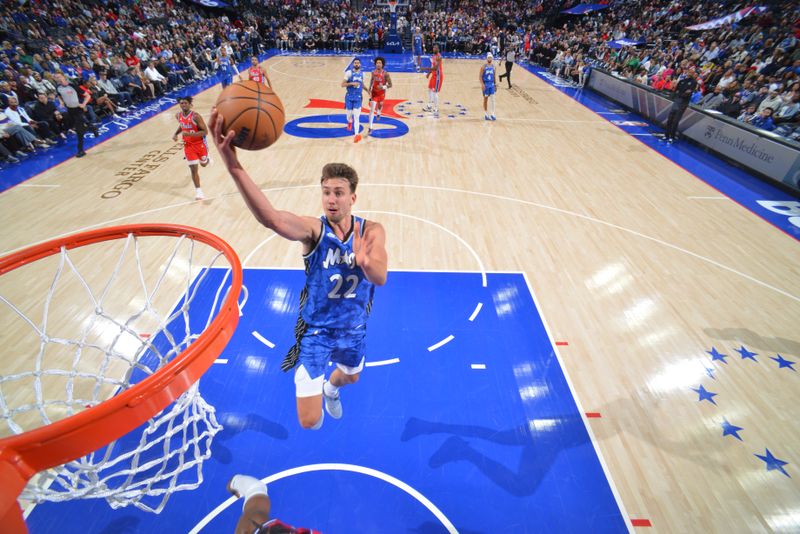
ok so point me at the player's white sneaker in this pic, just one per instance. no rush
(485, 117)
(427, 108)
(494, 118)
(333, 405)
(198, 195)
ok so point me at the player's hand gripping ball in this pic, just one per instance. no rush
(253, 111)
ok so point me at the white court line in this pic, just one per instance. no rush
(222, 361)
(439, 188)
(37, 185)
(581, 411)
(264, 340)
(478, 366)
(602, 222)
(611, 112)
(382, 362)
(252, 252)
(553, 120)
(424, 501)
(476, 312)
(458, 237)
(445, 341)
(641, 134)
(708, 198)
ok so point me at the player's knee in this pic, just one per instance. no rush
(308, 420)
(352, 379)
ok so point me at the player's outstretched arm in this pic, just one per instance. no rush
(370, 252)
(283, 223)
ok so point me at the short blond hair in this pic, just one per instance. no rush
(340, 170)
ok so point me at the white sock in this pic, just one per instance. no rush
(349, 113)
(491, 103)
(330, 390)
(430, 96)
(318, 424)
(371, 113)
(198, 191)
(356, 120)
(436, 101)
(246, 487)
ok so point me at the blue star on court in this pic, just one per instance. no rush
(705, 395)
(773, 463)
(783, 362)
(716, 355)
(731, 430)
(746, 354)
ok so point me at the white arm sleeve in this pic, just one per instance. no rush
(247, 487)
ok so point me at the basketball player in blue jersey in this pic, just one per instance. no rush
(418, 46)
(353, 98)
(345, 258)
(489, 86)
(225, 67)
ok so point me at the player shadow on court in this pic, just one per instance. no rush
(234, 424)
(754, 341)
(540, 448)
(127, 524)
(122, 525)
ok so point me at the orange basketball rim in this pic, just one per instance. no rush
(24, 455)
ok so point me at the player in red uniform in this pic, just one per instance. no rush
(194, 131)
(256, 73)
(435, 76)
(257, 505)
(378, 83)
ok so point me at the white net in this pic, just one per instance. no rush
(85, 324)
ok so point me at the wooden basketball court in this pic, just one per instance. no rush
(635, 277)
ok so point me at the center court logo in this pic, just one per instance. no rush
(331, 126)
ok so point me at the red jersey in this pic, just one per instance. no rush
(436, 66)
(378, 81)
(257, 75)
(188, 125)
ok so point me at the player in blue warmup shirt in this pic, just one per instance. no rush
(489, 86)
(419, 48)
(353, 98)
(345, 258)
(225, 67)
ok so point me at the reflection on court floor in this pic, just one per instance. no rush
(464, 421)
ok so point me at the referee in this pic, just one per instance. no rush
(76, 110)
(511, 56)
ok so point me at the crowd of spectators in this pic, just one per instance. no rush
(749, 71)
(124, 52)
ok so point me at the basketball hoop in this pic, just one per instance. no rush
(135, 356)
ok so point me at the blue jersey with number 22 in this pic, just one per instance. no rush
(336, 295)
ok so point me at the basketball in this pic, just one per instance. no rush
(254, 112)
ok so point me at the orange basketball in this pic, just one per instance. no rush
(254, 112)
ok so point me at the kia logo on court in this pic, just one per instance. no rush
(710, 131)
